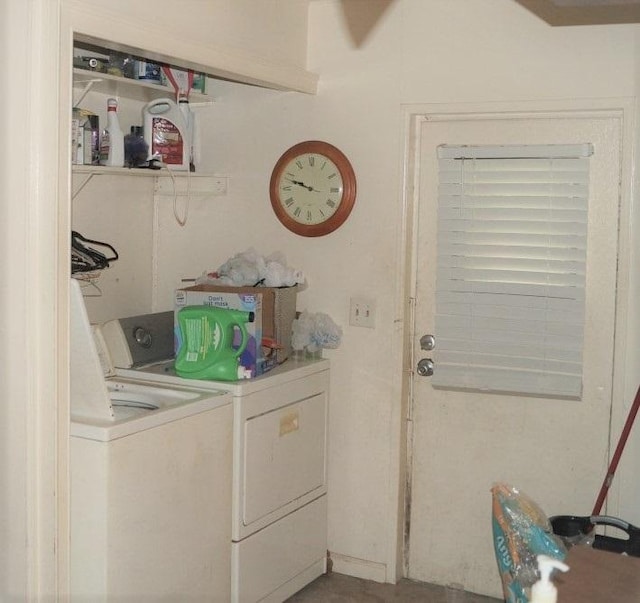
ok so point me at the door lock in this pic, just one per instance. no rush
(427, 342)
(425, 367)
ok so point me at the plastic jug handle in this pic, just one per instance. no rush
(245, 339)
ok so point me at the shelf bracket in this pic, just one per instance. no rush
(88, 84)
(84, 183)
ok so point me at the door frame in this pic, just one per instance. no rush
(34, 480)
(627, 328)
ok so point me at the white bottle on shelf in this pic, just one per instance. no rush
(165, 133)
(112, 143)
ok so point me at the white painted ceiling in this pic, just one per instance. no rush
(362, 16)
(584, 12)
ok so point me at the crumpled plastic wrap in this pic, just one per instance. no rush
(315, 331)
(250, 269)
(521, 532)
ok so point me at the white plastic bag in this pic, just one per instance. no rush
(315, 331)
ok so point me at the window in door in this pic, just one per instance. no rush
(511, 253)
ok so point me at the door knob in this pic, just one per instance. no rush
(425, 367)
(427, 342)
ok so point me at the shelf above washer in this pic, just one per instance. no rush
(167, 184)
(125, 87)
(101, 170)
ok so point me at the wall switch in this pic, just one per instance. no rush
(362, 312)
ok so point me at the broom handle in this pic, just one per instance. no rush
(633, 411)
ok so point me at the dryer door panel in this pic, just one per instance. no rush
(285, 456)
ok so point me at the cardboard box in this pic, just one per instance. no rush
(275, 309)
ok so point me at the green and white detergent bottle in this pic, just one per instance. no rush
(207, 343)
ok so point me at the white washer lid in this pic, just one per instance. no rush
(89, 395)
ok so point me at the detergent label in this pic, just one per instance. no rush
(195, 338)
(219, 301)
(248, 302)
(201, 337)
(167, 141)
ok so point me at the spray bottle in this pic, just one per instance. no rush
(207, 343)
(544, 591)
(112, 144)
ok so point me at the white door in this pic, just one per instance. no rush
(463, 441)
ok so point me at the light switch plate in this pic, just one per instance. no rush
(362, 312)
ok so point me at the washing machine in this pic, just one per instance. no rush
(278, 540)
(151, 475)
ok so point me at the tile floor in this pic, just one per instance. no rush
(338, 588)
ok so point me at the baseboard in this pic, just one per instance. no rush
(358, 568)
(297, 583)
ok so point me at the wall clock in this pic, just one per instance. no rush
(313, 188)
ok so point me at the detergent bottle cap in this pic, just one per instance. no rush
(544, 591)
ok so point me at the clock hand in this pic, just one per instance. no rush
(298, 183)
(303, 185)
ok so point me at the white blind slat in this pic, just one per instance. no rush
(558, 151)
(531, 252)
(548, 241)
(443, 298)
(512, 325)
(493, 339)
(520, 263)
(538, 363)
(508, 380)
(508, 290)
(528, 349)
(516, 313)
(490, 201)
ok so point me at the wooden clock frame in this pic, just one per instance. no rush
(348, 191)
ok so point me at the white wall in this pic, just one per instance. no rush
(424, 51)
(118, 211)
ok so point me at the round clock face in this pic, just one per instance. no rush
(312, 188)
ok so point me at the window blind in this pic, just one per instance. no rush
(511, 254)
